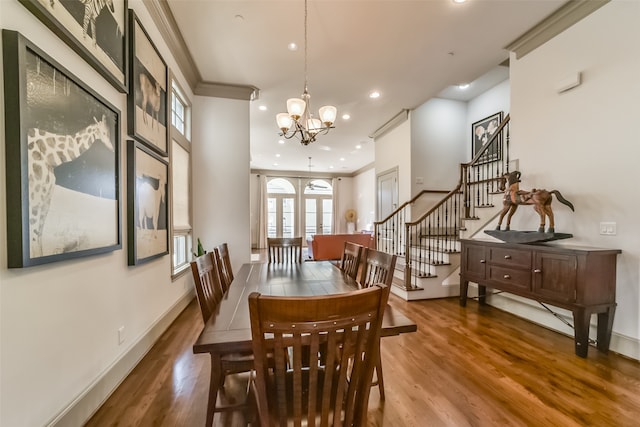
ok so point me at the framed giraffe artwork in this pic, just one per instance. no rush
(95, 29)
(147, 99)
(147, 207)
(62, 152)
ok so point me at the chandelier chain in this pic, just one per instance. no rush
(305, 46)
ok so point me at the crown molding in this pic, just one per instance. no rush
(563, 18)
(165, 21)
(392, 123)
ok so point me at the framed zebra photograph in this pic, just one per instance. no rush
(95, 29)
(63, 164)
(147, 99)
(147, 206)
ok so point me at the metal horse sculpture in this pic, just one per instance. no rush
(540, 199)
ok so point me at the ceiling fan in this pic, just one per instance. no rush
(311, 185)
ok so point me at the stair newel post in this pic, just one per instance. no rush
(407, 268)
(465, 187)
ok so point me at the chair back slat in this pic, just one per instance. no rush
(314, 356)
(224, 265)
(285, 250)
(377, 267)
(351, 256)
(207, 282)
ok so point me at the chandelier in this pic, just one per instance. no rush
(298, 121)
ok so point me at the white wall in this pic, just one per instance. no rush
(393, 149)
(438, 144)
(364, 194)
(221, 176)
(584, 142)
(59, 351)
(344, 202)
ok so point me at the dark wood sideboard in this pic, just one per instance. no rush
(579, 279)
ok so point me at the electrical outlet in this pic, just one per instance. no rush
(121, 336)
(608, 228)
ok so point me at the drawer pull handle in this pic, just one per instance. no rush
(506, 276)
(537, 270)
(483, 261)
(507, 257)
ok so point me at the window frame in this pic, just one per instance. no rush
(183, 139)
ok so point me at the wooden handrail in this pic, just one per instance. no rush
(413, 199)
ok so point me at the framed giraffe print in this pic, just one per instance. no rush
(147, 207)
(95, 29)
(147, 99)
(62, 153)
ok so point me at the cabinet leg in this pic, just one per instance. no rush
(464, 287)
(581, 320)
(605, 324)
(482, 294)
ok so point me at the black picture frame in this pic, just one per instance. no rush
(147, 204)
(481, 133)
(147, 99)
(105, 49)
(62, 144)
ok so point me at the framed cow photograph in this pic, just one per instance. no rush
(147, 203)
(95, 29)
(62, 152)
(147, 100)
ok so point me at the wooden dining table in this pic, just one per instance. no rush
(228, 330)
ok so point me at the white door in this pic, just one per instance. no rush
(387, 193)
(318, 209)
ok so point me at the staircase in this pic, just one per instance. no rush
(428, 243)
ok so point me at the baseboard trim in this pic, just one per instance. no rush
(534, 312)
(82, 408)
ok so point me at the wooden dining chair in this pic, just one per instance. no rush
(351, 255)
(285, 250)
(226, 272)
(209, 291)
(377, 267)
(295, 382)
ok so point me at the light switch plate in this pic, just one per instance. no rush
(608, 228)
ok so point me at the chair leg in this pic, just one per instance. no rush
(379, 378)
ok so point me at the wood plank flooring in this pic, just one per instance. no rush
(474, 366)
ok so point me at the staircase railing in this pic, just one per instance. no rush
(429, 239)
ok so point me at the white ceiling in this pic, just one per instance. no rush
(409, 51)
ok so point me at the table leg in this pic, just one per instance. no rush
(464, 287)
(581, 320)
(605, 324)
(482, 294)
(214, 383)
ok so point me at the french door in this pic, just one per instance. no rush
(318, 215)
(281, 214)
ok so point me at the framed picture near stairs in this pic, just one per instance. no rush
(62, 153)
(481, 133)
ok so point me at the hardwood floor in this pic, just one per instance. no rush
(474, 366)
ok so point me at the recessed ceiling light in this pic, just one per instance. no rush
(277, 155)
(346, 117)
(281, 141)
(375, 94)
(331, 167)
(262, 108)
(459, 1)
(292, 47)
(275, 164)
(342, 159)
(358, 146)
(463, 86)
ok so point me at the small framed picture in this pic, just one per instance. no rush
(95, 29)
(62, 152)
(147, 212)
(481, 133)
(147, 100)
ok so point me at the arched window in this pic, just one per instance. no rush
(281, 197)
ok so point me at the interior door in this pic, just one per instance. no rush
(387, 193)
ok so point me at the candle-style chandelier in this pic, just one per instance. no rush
(298, 121)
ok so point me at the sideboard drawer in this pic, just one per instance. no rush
(509, 277)
(510, 257)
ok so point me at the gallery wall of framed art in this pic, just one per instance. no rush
(147, 204)
(95, 30)
(147, 99)
(63, 166)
